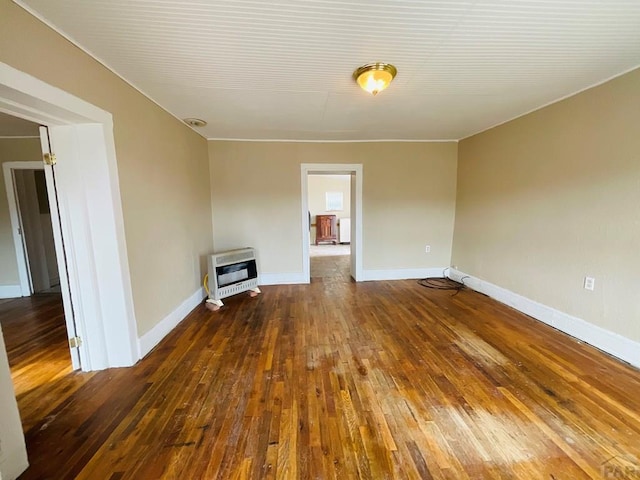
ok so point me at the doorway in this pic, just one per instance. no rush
(34, 216)
(34, 326)
(332, 197)
(36, 229)
(329, 197)
(33, 321)
(91, 221)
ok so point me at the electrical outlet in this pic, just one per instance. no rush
(427, 249)
(589, 283)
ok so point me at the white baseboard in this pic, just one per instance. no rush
(168, 323)
(367, 275)
(13, 463)
(402, 274)
(606, 340)
(10, 291)
(281, 278)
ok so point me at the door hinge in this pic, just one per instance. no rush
(75, 342)
(50, 159)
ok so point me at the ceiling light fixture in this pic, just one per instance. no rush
(374, 77)
(195, 122)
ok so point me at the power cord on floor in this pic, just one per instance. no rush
(443, 283)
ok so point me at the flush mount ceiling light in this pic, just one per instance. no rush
(194, 122)
(374, 77)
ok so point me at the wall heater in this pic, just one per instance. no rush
(230, 273)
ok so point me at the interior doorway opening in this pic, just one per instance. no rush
(34, 328)
(33, 320)
(332, 200)
(39, 253)
(329, 199)
(36, 228)
(81, 137)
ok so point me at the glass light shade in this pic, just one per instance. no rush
(375, 77)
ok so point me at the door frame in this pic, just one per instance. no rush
(14, 217)
(92, 223)
(355, 170)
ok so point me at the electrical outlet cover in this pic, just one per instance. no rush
(589, 283)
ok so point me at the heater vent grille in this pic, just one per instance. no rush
(235, 257)
(237, 288)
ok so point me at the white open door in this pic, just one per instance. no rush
(67, 301)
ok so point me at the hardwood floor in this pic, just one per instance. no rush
(346, 380)
(36, 339)
(330, 269)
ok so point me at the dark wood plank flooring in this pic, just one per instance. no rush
(343, 380)
(36, 339)
(330, 268)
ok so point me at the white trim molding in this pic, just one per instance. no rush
(153, 337)
(610, 342)
(289, 278)
(29, 98)
(403, 274)
(293, 278)
(14, 470)
(10, 291)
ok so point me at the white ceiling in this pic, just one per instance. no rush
(282, 69)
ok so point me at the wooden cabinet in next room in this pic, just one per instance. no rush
(326, 228)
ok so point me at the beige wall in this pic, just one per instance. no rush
(554, 196)
(408, 200)
(319, 185)
(12, 150)
(162, 166)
